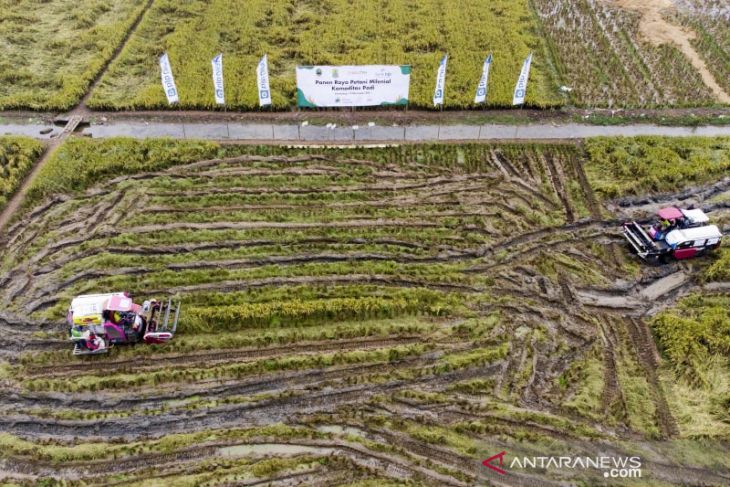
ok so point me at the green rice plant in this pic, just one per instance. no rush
(622, 166)
(696, 329)
(471, 358)
(17, 156)
(719, 270)
(223, 372)
(188, 341)
(587, 375)
(79, 164)
(327, 32)
(62, 452)
(301, 313)
(51, 50)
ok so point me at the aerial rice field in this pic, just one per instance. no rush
(381, 316)
(50, 51)
(587, 53)
(328, 32)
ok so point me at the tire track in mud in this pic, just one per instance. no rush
(223, 245)
(226, 388)
(558, 183)
(222, 355)
(701, 193)
(353, 452)
(439, 182)
(645, 351)
(613, 400)
(596, 446)
(594, 207)
(265, 412)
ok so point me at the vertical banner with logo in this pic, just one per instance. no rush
(521, 87)
(217, 63)
(438, 94)
(481, 95)
(262, 80)
(168, 81)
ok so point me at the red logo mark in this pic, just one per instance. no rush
(488, 463)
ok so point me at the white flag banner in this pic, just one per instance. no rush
(218, 91)
(481, 95)
(168, 81)
(262, 79)
(521, 87)
(438, 94)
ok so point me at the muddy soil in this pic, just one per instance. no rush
(536, 301)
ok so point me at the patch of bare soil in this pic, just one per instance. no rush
(657, 30)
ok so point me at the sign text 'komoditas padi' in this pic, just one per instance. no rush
(168, 81)
(521, 87)
(352, 86)
(262, 81)
(481, 95)
(217, 63)
(438, 93)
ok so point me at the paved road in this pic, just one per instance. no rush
(308, 133)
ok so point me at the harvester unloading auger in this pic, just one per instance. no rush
(99, 321)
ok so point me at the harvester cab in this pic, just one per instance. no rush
(678, 234)
(99, 321)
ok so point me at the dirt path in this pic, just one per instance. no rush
(657, 30)
(73, 118)
(14, 204)
(81, 108)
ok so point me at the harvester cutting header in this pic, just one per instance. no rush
(99, 321)
(678, 234)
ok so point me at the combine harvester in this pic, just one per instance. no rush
(99, 321)
(679, 234)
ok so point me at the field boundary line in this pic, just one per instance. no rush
(17, 198)
(80, 108)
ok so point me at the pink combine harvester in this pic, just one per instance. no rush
(99, 321)
(677, 234)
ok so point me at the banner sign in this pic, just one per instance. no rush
(218, 79)
(438, 94)
(168, 81)
(521, 87)
(481, 95)
(262, 80)
(352, 86)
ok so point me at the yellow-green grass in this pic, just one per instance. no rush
(337, 32)
(51, 51)
(17, 156)
(622, 166)
(694, 336)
